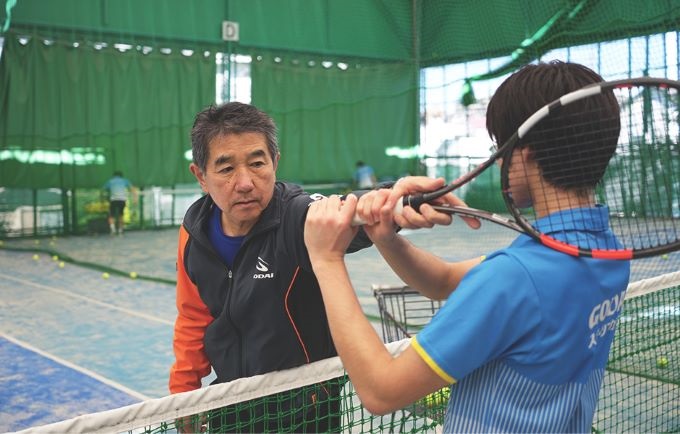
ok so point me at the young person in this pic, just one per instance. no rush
(524, 336)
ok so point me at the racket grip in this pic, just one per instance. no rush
(398, 208)
(414, 201)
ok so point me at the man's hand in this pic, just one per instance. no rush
(426, 217)
(328, 229)
(376, 209)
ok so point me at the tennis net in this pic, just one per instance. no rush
(314, 398)
(641, 388)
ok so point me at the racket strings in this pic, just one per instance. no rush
(638, 173)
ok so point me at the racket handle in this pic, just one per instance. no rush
(398, 208)
(414, 200)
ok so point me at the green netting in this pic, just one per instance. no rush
(452, 33)
(73, 115)
(642, 386)
(433, 32)
(642, 383)
(315, 398)
(331, 406)
(639, 392)
(345, 80)
(483, 192)
(331, 116)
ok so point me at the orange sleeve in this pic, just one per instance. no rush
(191, 363)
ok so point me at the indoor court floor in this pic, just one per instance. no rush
(74, 342)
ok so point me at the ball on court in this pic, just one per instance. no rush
(36, 242)
(105, 275)
(662, 362)
(2, 242)
(664, 256)
(133, 274)
(36, 257)
(55, 258)
(61, 264)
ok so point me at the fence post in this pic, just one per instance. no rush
(141, 207)
(35, 211)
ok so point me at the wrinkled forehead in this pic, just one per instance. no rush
(234, 145)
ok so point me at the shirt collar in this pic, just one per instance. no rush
(592, 219)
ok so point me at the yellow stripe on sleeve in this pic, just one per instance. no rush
(431, 363)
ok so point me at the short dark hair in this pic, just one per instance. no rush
(230, 118)
(118, 173)
(594, 122)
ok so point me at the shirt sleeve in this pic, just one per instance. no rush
(490, 315)
(294, 230)
(193, 316)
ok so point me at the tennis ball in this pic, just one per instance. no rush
(36, 257)
(133, 274)
(438, 398)
(61, 264)
(105, 275)
(55, 258)
(2, 242)
(664, 256)
(36, 242)
(662, 362)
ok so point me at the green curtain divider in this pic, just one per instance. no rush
(94, 111)
(330, 117)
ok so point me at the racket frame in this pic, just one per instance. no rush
(520, 223)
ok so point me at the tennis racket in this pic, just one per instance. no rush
(613, 143)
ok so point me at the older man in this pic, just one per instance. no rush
(247, 300)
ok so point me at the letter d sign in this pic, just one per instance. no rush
(229, 31)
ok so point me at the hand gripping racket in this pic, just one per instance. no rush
(613, 143)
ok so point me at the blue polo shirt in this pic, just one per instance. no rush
(118, 188)
(525, 337)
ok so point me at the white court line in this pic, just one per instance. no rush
(80, 369)
(89, 300)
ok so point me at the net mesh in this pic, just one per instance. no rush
(639, 392)
(642, 384)
(314, 398)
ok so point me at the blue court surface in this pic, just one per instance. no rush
(73, 341)
(36, 389)
(77, 343)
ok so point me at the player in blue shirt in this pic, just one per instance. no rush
(364, 176)
(524, 336)
(117, 188)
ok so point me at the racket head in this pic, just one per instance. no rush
(581, 150)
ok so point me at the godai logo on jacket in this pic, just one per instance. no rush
(262, 266)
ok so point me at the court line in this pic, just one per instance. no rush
(75, 367)
(89, 300)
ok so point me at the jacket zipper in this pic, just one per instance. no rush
(230, 282)
(241, 342)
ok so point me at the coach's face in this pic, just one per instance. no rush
(239, 176)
